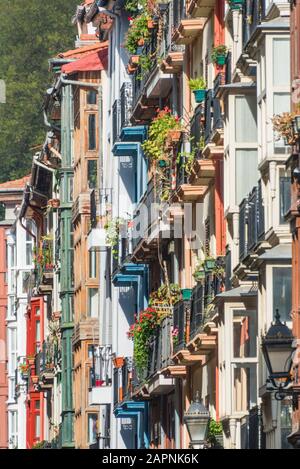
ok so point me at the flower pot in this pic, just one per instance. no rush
(141, 42)
(209, 264)
(151, 24)
(162, 163)
(55, 203)
(131, 69)
(35, 379)
(30, 361)
(118, 362)
(134, 60)
(174, 135)
(236, 4)
(186, 294)
(200, 95)
(221, 60)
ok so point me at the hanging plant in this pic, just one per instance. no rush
(141, 333)
(198, 87)
(283, 125)
(135, 6)
(145, 63)
(165, 121)
(138, 33)
(112, 228)
(218, 55)
(165, 296)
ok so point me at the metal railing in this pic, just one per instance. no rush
(116, 120)
(101, 371)
(125, 104)
(95, 208)
(197, 309)
(213, 115)
(181, 315)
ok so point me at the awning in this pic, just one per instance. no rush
(279, 252)
(235, 293)
(95, 61)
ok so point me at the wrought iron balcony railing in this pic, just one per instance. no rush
(181, 315)
(116, 120)
(251, 222)
(95, 208)
(101, 371)
(126, 104)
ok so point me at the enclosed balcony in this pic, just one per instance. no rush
(100, 389)
(44, 264)
(45, 362)
(251, 223)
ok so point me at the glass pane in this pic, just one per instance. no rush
(37, 426)
(244, 335)
(281, 62)
(92, 173)
(246, 163)
(92, 264)
(285, 197)
(70, 198)
(93, 302)
(286, 424)
(38, 331)
(92, 97)
(281, 104)
(92, 132)
(37, 405)
(28, 253)
(282, 292)
(245, 119)
(92, 424)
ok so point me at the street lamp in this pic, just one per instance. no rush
(197, 420)
(277, 348)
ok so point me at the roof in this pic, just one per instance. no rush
(16, 184)
(279, 252)
(80, 52)
(239, 292)
(95, 61)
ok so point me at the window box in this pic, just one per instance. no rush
(200, 95)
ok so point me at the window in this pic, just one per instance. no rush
(25, 281)
(244, 387)
(281, 61)
(92, 174)
(244, 334)
(246, 163)
(93, 302)
(92, 264)
(92, 131)
(285, 197)
(282, 292)
(70, 188)
(246, 117)
(91, 97)
(286, 424)
(281, 104)
(13, 429)
(92, 428)
(29, 242)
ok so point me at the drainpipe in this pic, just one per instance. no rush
(64, 81)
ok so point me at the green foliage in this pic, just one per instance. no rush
(134, 6)
(137, 31)
(29, 35)
(146, 64)
(217, 52)
(215, 429)
(166, 295)
(158, 132)
(197, 84)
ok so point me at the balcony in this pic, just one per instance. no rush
(81, 206)
(44, 262)
(251, 223)
(188, 30)
(200, 8)
(181, 315)
(45, 362)
(147, 225)
(100, 390)
(122, 378)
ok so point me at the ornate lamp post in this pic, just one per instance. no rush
(197, 419)
(278, 350)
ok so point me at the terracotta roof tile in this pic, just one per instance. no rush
(95, 61)
(16, 184)
(82, 51)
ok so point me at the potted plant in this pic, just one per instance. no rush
(24, 370)
(209, 263)
(218, 55)
(54, 203)
(175, 336)
(158, 134)
(215, 434)
(30, 360)
(283, 125)
(118, 362)
(137, 33)
(186, 294)
(199, 273)
(236, 4)
(198, 87)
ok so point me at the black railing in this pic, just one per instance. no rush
(213, 115)
(161, 347)
(115, 121)
(181, 315)
(228, 71)
(179, 12)
(197, 309)
(126, 104)
(127, 378)
(197, 130)
(228, 267)
(116, 386)
(253, 15)
(95, 208)
(251, 222)
(141, 76)
(145, 213)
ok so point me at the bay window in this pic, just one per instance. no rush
(282, 292)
